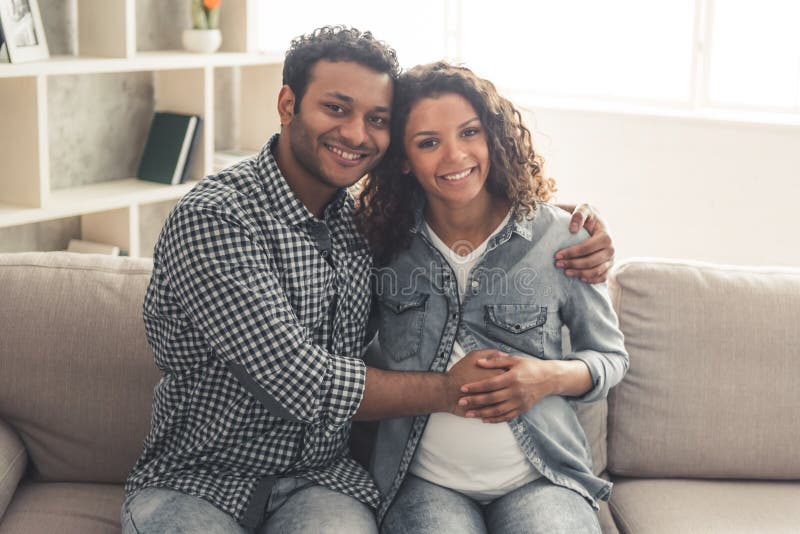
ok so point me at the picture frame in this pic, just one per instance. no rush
(21, 24)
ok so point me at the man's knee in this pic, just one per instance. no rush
(160, 510)
(319, 509)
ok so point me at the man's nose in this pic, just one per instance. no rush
(353, 132)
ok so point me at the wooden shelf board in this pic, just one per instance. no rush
(93, 198)
(144, 61)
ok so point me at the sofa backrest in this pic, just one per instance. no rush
(713, 388)
(76, 373)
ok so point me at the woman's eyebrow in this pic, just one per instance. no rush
(434, 132)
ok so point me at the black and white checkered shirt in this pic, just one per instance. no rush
(256, 313)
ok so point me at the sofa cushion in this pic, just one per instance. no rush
(713, 388)
(13, 460)
(64, 508)
(76, 373)
(667, 506)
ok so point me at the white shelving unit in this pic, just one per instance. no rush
(183, 83)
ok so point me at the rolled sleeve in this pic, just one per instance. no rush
(595, 337)
(228, 287)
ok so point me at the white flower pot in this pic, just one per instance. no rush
(202, 41)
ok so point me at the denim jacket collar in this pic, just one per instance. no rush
(523, 228)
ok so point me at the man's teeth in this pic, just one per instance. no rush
(346, 155)
(457, 176)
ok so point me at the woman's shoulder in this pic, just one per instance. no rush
(550, 224)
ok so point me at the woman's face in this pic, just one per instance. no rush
(447, 150)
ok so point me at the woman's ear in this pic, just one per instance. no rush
(286, 101)
(406, 168)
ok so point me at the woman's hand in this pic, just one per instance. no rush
(592, 259)
(505, 396)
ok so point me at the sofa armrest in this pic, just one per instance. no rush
(13, 460)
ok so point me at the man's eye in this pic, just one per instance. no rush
(380, 121)
(428, 143)
(335, 108)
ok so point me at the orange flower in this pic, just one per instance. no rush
(211, 4)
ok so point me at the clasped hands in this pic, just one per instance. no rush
(496, 387)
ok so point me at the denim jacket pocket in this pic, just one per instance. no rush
(519, 327)
(402, 319)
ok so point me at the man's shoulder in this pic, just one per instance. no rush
(231, 190)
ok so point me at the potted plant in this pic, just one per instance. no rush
(204, 37)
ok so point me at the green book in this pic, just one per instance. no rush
(167, 154)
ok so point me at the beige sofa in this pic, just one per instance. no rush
(702, 436)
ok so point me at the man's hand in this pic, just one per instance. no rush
(592, 259)
(465, 371)
(503, 397)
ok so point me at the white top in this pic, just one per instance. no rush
(481, 460)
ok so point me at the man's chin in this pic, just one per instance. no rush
(345, 180)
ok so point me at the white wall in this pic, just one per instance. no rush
(680, 188)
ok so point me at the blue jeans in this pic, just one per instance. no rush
(295, 505)
(539, 507)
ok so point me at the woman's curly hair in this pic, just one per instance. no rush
(388, 198)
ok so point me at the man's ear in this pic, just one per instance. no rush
(286, 101)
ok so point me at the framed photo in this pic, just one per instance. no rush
(23, 31)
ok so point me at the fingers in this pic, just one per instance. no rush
(579, 216)
(497, 361)
(487, 399)
(488, 354)
(490, 384)
(501, 410)
(600, 241)
(590, 273)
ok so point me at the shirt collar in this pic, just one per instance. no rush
(284, 200)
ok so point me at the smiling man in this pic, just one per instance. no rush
(256, 314)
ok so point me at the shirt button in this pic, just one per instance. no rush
(455, 316)
(517, 327)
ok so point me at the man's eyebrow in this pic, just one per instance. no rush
(349, 99)
(340, 96)
(433, 132)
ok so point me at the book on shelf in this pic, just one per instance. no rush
(90, 247)
(171, 143)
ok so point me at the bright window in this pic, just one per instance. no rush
(615, 48)
(416, 29)
(747, 52)
(755, 53)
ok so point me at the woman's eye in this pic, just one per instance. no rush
(428, 143)
(469, 132)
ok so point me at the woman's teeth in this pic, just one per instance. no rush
(457, 176)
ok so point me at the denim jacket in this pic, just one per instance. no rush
(516, 301)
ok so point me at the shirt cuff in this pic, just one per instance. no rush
(348, 378)
(597, 372)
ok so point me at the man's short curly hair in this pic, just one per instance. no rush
(335, 43)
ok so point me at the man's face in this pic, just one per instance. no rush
(342, 128)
